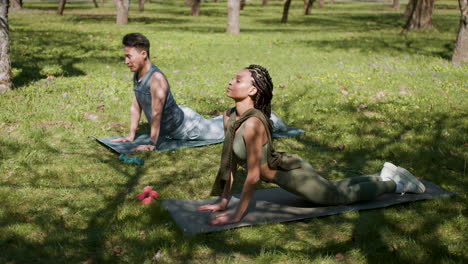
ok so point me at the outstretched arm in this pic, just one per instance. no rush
(158, 89)
(135, 114)
(222, 205)
(254, 137)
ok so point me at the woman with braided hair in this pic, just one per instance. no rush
(248, 143)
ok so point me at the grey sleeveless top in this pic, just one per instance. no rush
(172, 116)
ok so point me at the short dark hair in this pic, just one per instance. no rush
(138, 41)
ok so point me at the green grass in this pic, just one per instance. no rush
(345, 74)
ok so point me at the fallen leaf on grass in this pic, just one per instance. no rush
(340, 147)
(90, 116)
(101, 107)
(55, 123)
(157, 256)
(404, 90)
(118, 125)
(339, 257)
(361, 106)
(117, 250)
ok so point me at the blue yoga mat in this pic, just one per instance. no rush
(172, 144)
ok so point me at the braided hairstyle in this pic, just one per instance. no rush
(262, 81)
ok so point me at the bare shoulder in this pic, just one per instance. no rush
(159, 85)
(157, 76)
(253, 127)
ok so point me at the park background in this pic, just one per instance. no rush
(363, 91)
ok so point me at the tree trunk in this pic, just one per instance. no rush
(95, 4)
(321, 3)
(196, 7)
(287, 4)
(460, 53)
(242, 4)
(122, 11)
(396, 5)
(409, 9)
(15, 5)
(5, 63)
(420, 16)
(187, 3)
(102, 3)
(233, 16)
(307, 6)
(141, 5)
(61, 7)
(264, 3)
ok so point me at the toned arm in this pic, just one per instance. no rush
(254, 137)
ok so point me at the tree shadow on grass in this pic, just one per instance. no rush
(342, 22)
(62, 242)
(394, 44)
(71, 5)
(54, 239)
(376, 234)
(56, 53)
(110, 18)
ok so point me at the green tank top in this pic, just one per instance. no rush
(240, 151)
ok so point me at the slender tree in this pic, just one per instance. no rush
(460, 53)
(307, 6)
(242, 4)
(196, 7)
(16, 5)
(5, 64)
(287, 4)
(233, 26)
(95, 4)
(396, 5)
(61, 6)
(409, 9)
(264, 3)
(321, 3)
(420, 16)
(141, 5)
(102, 3)
(122, 11)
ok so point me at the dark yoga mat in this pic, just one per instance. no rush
(172, 144)
(277, 205)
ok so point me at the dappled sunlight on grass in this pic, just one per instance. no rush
(363, 92)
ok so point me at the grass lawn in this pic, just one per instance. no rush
(344, 74)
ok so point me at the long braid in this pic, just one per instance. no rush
(262, 81)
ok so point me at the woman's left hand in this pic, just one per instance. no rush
(143, 148)
(224, 219)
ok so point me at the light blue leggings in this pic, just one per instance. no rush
(196, 127)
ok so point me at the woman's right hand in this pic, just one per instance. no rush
(212, 207)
